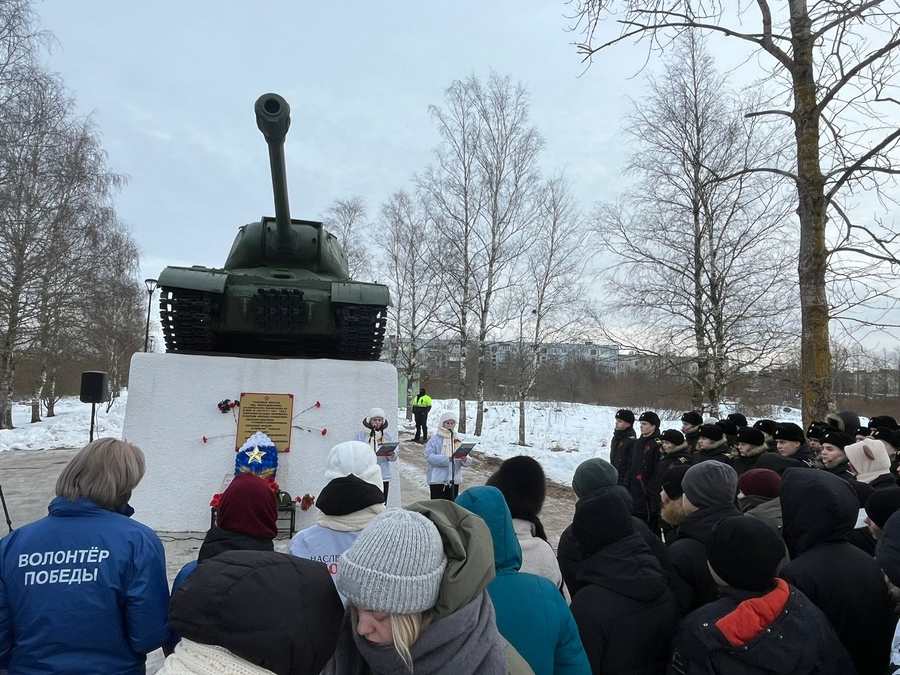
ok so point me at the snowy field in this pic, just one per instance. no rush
(69, 429)
(559, 435)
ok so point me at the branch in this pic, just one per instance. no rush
(853, 72)
(861, 162)
(760, 113)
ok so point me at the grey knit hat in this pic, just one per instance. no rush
(708, 484)
(395, 565)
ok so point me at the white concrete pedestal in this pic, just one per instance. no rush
(172, 405)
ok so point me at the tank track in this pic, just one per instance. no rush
(186, 317)
(361, 332)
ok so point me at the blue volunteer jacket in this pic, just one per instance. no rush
(531, 612)
(83, 590)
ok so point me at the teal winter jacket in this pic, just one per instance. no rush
(531, 612)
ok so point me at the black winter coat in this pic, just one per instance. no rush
(569, 556)
(799, 641)
(687, 554)
(277, 611)
(743, 463)
(805, 455)
(625, 612)
(819, 511)
(644, 456)
(218, 541)
(719, 454)
(620, 454)
(842, 470)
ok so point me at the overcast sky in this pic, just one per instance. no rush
(171, 86)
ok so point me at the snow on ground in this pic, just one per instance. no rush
(559, 435)
(70, 428)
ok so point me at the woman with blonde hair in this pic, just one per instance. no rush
(416, 581)
(84, 589)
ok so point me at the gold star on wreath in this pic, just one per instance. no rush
(255, 455)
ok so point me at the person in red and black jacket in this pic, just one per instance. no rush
(759, 624)
(645, 453)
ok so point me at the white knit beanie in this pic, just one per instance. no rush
(357, 458)
(395, 565)
(376, 412)
(448, 415)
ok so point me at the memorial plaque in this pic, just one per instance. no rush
(270, 413)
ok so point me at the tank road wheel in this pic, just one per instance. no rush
(360, 332)
(186, 318)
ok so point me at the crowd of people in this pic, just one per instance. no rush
(720, 548)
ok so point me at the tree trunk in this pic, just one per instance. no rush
(461, 382)
(521, 418)
(815, 350)
(409, 395)
(38, 389)
(51, 395)
(479, 388)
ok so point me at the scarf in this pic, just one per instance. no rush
(450, 441)
(193, 658)
(467, 642)
(375, 437)
(351, 522)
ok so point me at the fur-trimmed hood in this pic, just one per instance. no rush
(755, 450)
(714, 445)
(678, 448)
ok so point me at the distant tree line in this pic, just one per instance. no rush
(70, 299)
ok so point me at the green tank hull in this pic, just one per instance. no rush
(284, 290)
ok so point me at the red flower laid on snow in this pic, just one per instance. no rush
(205, 439)
(306, 501)
(324, 431)
(318, 405)
(216, 499)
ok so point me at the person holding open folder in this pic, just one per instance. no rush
(375, 435)
(445, 455)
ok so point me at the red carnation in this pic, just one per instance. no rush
(205, 439)
(324, 431)
(318, 405)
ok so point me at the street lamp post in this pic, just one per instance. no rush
(152, 285)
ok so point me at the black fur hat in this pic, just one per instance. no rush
(693, 418)
(885, 421)
(739, 419)
(524, 486)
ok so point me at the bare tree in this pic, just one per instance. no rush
(405, 232)
(834, 64)
(454, 197)
(550, 292)
(507, 153)
(694, 268)
(346, 219)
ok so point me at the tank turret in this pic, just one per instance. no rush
(285, 288)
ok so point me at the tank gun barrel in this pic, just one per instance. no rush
(273, 117)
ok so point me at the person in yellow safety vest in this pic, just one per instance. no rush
(421, 408)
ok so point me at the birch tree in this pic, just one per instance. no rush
(697, 271)
(550, 294)
(507, 154)
(833, 80)
(346, 219)
(454, 198)
(404, 235)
